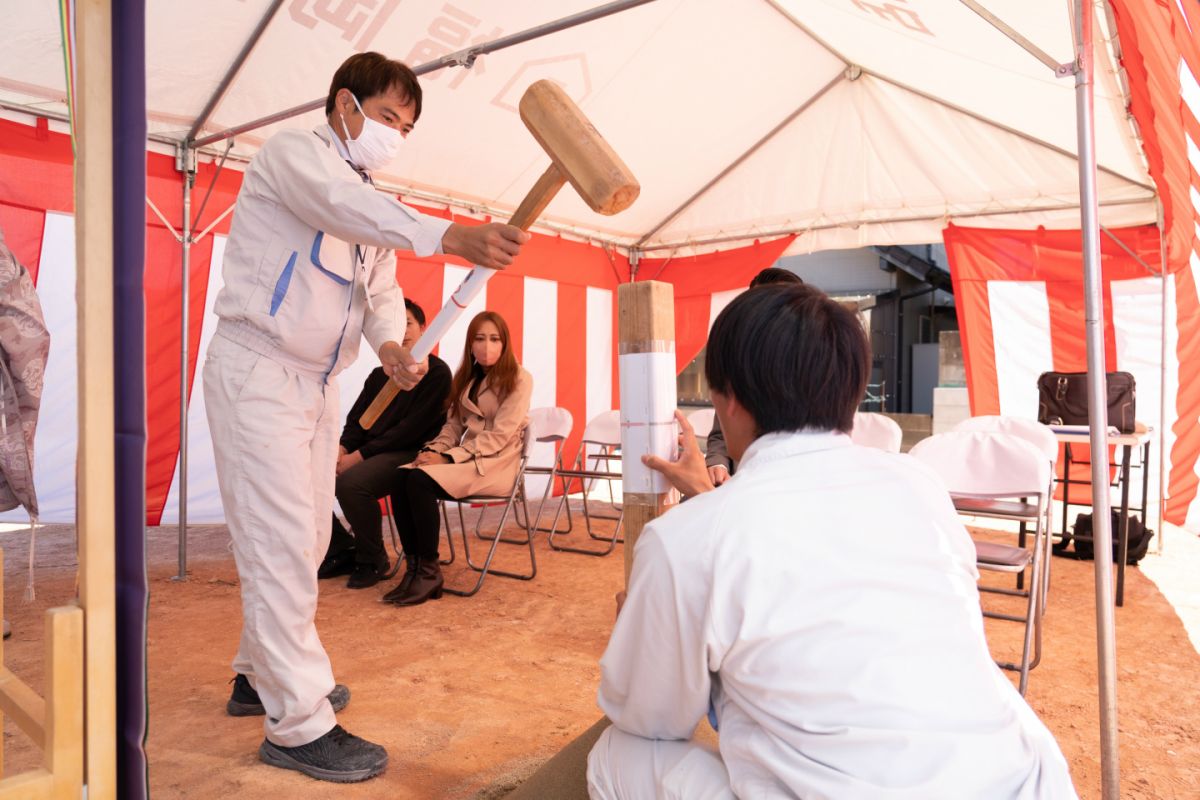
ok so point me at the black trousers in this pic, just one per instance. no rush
(358, 490)
(415, 498)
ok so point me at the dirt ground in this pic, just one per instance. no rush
(471, 695)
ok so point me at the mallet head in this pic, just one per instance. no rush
(577, 148)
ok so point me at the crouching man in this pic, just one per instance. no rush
(821, 608)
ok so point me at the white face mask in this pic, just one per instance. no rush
(376, 145)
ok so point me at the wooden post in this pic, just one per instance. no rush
(63, 755)
(94, 298)
(646, 332)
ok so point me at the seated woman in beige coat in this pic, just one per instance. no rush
(477, 452)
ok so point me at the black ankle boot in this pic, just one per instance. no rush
(426, 584)
(399, 590)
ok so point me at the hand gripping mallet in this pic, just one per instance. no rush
(579, 154)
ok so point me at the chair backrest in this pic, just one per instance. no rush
(529, 436)
(983, 464)
(604, 428)
(1032, 431)
(702, 421)
(552, 424)
(876, 430)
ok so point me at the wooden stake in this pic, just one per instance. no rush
(94, 298)
(645, 324)
(63, 755)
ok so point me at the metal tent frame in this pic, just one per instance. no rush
(1081, 67)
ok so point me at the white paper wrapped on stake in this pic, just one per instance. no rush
(467, 291)
(647, 418)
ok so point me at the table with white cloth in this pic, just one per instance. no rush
(1140, 437)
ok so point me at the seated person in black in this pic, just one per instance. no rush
(367, 462)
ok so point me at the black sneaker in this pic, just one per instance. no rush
(337, 756)
(245, 702)
(366, 575)
(337, 564)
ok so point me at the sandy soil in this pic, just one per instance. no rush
(471, 695)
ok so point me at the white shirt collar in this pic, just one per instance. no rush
(327, 133)
(774, 446)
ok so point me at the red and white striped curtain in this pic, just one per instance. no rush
(559, 301)
(1020, 302)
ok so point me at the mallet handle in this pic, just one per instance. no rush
(531, 207)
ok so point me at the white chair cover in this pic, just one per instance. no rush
(604, 428)
(702, 421)
(876, 430)
(551, 424)
(1032, 431)
(982, 464)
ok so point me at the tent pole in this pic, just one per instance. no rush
(1162, 393)
(186, 163)
(465, 58)
(1097, 401)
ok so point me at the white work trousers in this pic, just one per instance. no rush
(274, 435)
(623, 766)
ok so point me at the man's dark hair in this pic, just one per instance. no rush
(370, 74)
(792, 356)
(417, 312)
(775, 275)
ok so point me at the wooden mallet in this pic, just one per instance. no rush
(579, 154)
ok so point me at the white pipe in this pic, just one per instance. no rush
(467, 291)
(184, 313)
(1106, 653)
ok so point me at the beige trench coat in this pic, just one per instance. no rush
(484, 441)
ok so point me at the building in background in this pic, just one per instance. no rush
(905, 298)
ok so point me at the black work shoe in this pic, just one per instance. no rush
(245, 702)
(337, 564)
(366, 575)
(337, 756)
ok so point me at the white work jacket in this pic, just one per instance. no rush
(310, 265)
(824, 601)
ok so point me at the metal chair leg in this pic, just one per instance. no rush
(486, 568)
(613, 541)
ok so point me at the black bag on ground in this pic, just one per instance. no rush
(1139, 539)
(1062, 399)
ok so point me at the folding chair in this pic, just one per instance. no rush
(515, 494)
(983, 472)
(876, 430)
(603, 433)
(553, 426)
(1041, 437)
(702, 421)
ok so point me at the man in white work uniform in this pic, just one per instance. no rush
(820, 607)
(310, 270)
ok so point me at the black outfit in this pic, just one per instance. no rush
(415, 498)
(716, 455)
(413, 418)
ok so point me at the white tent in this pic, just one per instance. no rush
(852, 122)
(846, 122)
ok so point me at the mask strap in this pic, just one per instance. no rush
(342, 116)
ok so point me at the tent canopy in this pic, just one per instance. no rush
(849, 122)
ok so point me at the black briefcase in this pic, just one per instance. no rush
(1062, 399)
